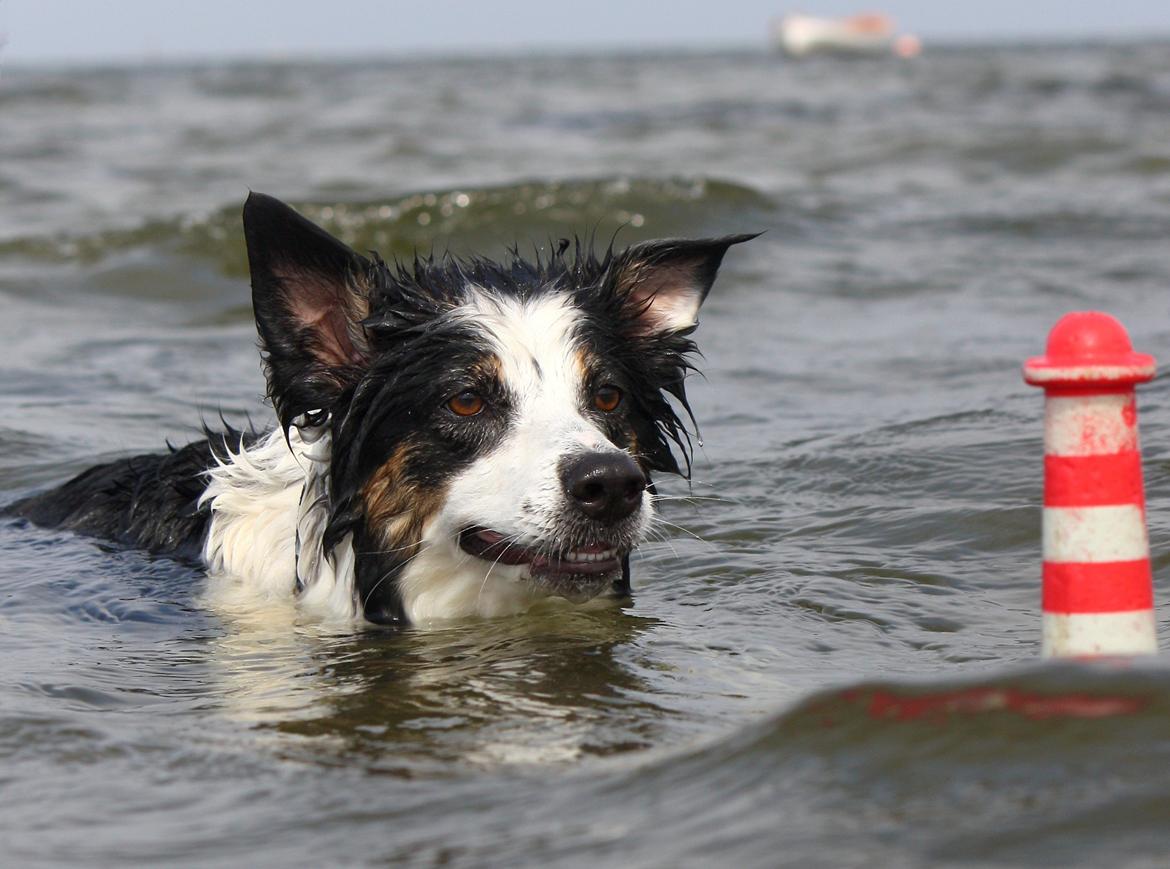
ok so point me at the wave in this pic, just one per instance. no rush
(1056, 764)
(462, 219)
(1065, 760)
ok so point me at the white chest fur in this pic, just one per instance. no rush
(260, 498)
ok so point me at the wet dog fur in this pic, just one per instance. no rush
(455, 437)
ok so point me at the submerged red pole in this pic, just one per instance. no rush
(1098, 594)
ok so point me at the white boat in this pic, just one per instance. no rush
(869, 34)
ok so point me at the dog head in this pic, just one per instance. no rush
(493, 427)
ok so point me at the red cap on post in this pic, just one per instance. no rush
(1085, 349)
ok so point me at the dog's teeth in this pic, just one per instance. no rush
(590, 556)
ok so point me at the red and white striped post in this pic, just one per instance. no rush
(1098, 589)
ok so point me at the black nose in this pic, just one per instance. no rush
(604, 486)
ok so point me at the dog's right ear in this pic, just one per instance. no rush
(309, 295)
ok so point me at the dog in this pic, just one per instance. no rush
(455, 437)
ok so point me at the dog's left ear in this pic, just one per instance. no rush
(663, 283)
(309, 294)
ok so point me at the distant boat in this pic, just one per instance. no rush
(866, 35)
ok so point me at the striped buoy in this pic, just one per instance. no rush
(1098, 591)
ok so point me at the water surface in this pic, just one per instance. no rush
(831, 659)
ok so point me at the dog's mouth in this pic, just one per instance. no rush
(590, 562)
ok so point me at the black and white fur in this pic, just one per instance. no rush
(379, 495)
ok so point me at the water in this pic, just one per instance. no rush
(831, 662)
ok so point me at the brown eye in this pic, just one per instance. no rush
(466, 404)
(607, 398)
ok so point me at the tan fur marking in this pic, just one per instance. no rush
(632, 449)
(489, 368)
(583, 358)
(397, 509)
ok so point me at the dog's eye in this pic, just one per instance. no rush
(466, 403)
(607, 398)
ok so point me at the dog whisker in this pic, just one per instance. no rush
(395, 569)
(694, 500)
(390, 551)
(660, 536)
(506, 542)
(686, 531)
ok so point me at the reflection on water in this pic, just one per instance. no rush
(545, 688)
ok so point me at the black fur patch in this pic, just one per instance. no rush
(146, 501)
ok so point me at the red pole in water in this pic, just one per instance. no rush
(1098, 590)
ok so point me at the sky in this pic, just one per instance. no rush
(37, 31)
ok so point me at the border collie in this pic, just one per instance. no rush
(456, 437)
